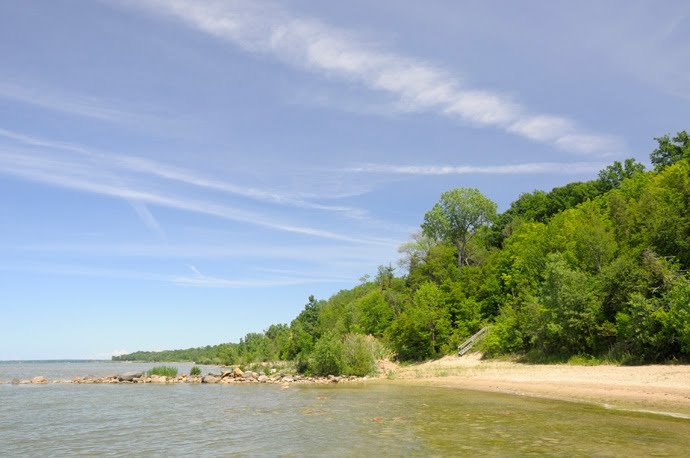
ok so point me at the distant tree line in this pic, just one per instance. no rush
(596, 269)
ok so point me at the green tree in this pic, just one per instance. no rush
(570, 309)
(613, 175)
(328, 357)
(423, 329)
(670, 150)
(457, 216)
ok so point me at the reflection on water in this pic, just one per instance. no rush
(380, 418)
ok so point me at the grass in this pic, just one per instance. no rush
(166, 371)
(196, 370)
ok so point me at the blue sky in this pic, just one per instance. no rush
(178, 173)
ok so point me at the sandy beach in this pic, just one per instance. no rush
(654, 388)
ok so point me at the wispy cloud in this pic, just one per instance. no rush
(172, 173)
(508, 169)
(201, 280)
(83, 106)
(323, 254)
(419, 86)
(197, 279)
(147, 218)
(86, 177)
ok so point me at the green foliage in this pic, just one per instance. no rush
(360, 353)
(671, 150)
(194, 371)
(456, 218)
(421, 331)
(587, 272)
(613, 176)
(570, 309)
(328, 356)
(166, 371)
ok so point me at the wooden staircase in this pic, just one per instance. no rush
(469, 343)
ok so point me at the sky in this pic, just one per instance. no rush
(178, 173)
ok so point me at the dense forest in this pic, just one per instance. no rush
(595, 269)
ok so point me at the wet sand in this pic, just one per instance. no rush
(655, 388)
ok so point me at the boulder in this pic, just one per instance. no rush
(238, 372)
(226, 374)
(210, 378)
(263, 378)
(129, 376)
(39, 380)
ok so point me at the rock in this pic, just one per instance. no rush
(25, 382)
(288, 379)
(226, 374)
(238, 372)
(40, 380)
(263, 378)
(210, 378)
(129, 376)
(15, 381)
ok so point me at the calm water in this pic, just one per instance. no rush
(380, 418)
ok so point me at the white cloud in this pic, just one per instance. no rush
(199, 279)
(84, 176)
(168, 172)
(419, 86)
(90, 107)
(146, 217)
(508, 169)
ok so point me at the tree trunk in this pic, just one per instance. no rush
(461, 253)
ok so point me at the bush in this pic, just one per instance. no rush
(166, 371)
(359, 358)
(195, 371)
(361, 353)
(327, 357)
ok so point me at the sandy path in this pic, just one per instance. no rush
(651, 388)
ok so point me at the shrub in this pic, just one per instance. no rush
(359, 359)
(361, 353)
(327, 357)
(166, 371)
(195, 371)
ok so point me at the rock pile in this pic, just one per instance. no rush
(226, 377)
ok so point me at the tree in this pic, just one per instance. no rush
(613, 175)
(671, 150)
(415, 251)
(457, 216)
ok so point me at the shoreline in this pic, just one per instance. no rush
(657, 389)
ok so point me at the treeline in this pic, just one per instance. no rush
(595, 269)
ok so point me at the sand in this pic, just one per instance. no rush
(663, 389)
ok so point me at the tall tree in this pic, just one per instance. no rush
(613, 175)
(671, 150)
(457, 216)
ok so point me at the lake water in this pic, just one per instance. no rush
(380, 418)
